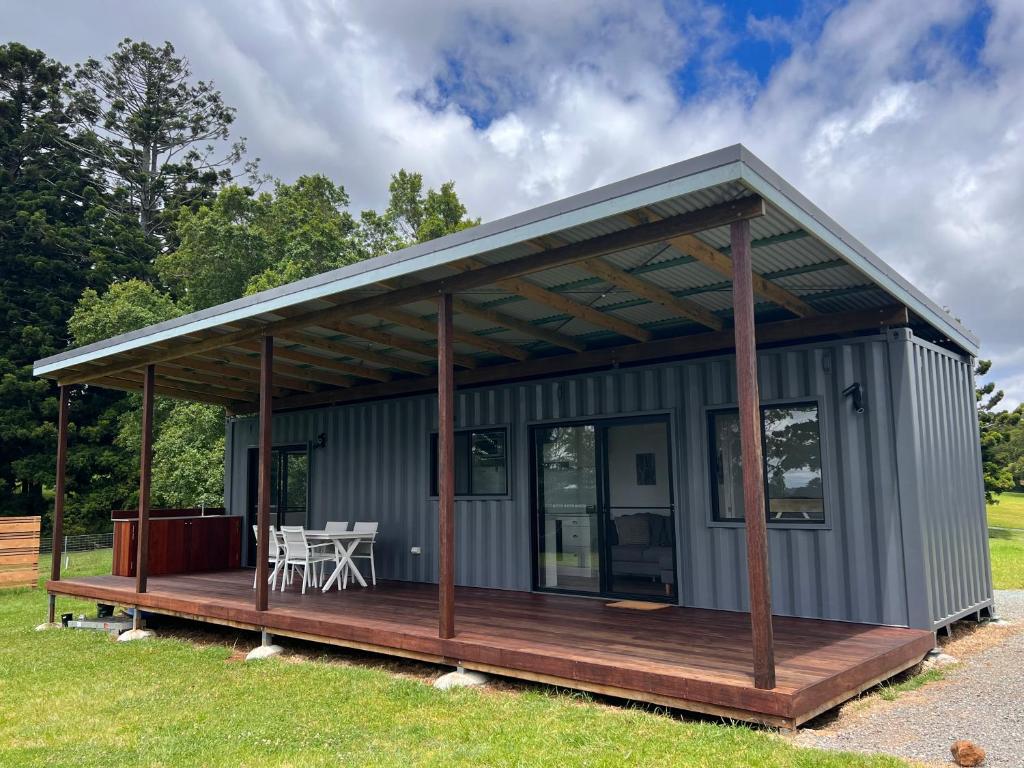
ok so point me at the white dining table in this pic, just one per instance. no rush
(345, 543)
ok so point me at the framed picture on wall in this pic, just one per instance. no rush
(646, 474)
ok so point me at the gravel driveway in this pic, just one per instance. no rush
(981, 699)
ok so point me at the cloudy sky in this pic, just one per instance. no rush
(904, 121)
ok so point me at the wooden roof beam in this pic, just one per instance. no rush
(568, 306)
(466, 337)
(625, 354)
(499, 318)
(182, 371)
(280, 368)
(341, 348)
(384, 338)
(691, 310)
(711, 257)
(514, 323)
(602, 245)
(718, 261)
(242, 377)
(174, 391)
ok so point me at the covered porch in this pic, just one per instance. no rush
(713, 255)
(685, 658)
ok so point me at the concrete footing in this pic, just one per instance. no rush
(264, 652)
(936, 658)
(460, 678)
(47, 625)
(134, 634)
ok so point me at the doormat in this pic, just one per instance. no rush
(637, 605)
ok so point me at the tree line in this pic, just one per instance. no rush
(125, 200)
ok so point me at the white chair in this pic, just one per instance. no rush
(276, 557)
(299, 553)
(364, 550)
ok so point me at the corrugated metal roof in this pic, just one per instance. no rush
(795, 245)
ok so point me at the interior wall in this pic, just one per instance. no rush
(625, 443)
(375, 464)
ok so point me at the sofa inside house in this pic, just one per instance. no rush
(642, 547)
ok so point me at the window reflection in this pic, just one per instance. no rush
(792, 464)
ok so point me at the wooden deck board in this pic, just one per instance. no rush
(691, 658)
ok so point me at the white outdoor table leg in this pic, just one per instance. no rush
(345, 561)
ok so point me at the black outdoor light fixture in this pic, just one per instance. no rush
(855, 392)
(321, 440)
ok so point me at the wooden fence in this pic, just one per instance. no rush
(19, 551)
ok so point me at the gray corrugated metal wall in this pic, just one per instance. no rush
(942, 492)
(375, 466)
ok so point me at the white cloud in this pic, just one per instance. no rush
(872, 113)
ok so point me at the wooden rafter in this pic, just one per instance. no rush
(384, 338)
(722, 264)
(175, 392)
(234, 377)
(322, 362)
(466, 337)
(500, 318)
(176, 374)
(711, 257)
(283, 372)
(625, 354)
(352, 369)
(554, 338)
(566, 305)
(691, 310)
(645, 234)
(341, 348)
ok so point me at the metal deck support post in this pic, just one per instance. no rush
(145, 477)
(751, 456)
(265, 449)
(445, 469)
(58, 498)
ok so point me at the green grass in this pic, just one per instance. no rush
(890, 692)
(77, 698)
(1008, 513)
(1006, 548)
(1006, 541)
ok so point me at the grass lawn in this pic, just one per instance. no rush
(1006, 541)
(77, 698)
(1008, 513)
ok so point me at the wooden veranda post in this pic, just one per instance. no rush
(750, 450)
(145, 477)
(58, 497)
(445, 468)
(265, 450)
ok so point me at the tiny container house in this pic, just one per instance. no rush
(681, 439)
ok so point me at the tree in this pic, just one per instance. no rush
(308, 231)
(58, 236)
(997, 475)
(221, 247)
(162, 138)
(418, 217)
(188, 444)
(242, 243)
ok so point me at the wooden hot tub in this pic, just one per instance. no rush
(180, 541)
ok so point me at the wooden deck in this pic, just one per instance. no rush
(690, 659)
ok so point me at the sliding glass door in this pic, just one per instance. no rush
(603, 508)
(289, 490)
(568, 526)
